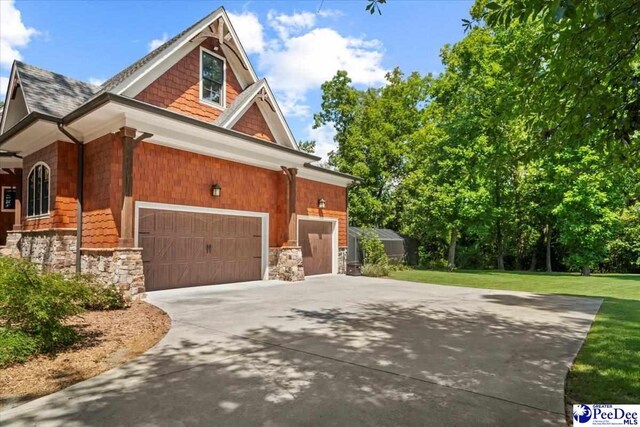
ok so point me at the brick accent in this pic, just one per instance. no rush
(253, 123)
(60, 156)
(336, 203)
(7, 219)
(178, 88)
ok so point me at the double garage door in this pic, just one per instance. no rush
(182, 249)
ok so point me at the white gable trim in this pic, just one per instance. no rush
(148, 73)
(282, 122)
(13, 79)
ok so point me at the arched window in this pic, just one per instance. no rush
(38, 193)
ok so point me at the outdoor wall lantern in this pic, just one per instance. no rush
(321, 203)
(215, 190)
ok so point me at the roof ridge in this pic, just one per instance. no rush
(123, 74)
(19, 63)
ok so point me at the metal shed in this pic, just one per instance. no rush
(399, 248)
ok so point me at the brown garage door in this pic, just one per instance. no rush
(181, 249)
(317, 246)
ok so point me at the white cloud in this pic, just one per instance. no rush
(250, 31)
(95, 81)
(13, 33)
(4, 82)
(156, 43)
(285, 25)
(303, 54)
(323, 136)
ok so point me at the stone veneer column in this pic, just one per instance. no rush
(285, 263)
(342, 260)
(121, 267)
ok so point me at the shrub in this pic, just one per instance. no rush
(96, 296)
(372, 248)
(375, 270)
(37, 304)
(16, 346)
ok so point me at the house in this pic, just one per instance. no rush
(178, 171)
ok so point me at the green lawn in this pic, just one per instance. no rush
(607, 369)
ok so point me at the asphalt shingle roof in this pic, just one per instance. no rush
(52, 93)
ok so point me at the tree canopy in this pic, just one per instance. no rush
(525, 147)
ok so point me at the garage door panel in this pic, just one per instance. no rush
(183, 249)
(316, 241)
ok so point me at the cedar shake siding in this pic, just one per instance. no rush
(102, 192)
(178, 89)
(308, 194)
(167, 175)
(60, 156)
(253, 123)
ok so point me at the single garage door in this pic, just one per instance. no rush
(315, 238)
(181, 249)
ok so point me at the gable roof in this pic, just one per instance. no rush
(52, 93)
(55, 95)
(131, 69)
(238, 104)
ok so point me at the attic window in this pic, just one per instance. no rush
(212, 78)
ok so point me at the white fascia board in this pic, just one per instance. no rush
(7, 96)
(151, 71)
(180, 135)
(282, 120)
(241, 50)
(38, 135)
(233, 119)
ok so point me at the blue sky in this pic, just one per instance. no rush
(296, 45)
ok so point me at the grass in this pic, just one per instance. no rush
(607, 369)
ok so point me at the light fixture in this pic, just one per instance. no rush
(321, 203)
(215, 190)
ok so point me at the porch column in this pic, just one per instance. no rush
(17, 214)
(292, 229)
(127, 136)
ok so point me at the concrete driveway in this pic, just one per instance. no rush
(341, 351)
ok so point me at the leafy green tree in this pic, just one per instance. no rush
(307, 146)
(593, 197)
(373, 130)
(581, 73)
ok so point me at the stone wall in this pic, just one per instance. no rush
(342, 260)
(52, 249)
(55, 250)
(121, 267)
(286, 264)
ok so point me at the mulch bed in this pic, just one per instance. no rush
(109, 338)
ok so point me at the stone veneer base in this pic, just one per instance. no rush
(285, 263)
(55, 250)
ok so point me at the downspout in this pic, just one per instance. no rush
(79, 193)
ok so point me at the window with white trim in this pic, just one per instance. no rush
(38, 190)
(212, 81)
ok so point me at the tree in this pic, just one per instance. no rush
(373, 128)
(593, 197)
(307, 146)
(581, 73)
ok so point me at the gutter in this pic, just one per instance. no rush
(134, 103)
(79, 193)
(27, 121)
(332, 172)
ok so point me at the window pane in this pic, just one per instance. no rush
(31, 193)
(212, 68)
(211, 91)
(38, 196)
(45, 190)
